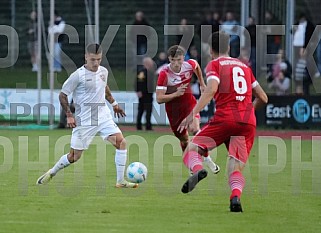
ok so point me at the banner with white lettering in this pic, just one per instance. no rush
(23, 105)
(292, 111)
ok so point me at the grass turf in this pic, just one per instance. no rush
(82, 198)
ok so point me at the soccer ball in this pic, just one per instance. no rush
(136, 172)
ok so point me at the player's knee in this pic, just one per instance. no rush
(121, 143)
(74, 156)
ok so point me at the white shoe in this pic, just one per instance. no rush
(211, 165)
(126, 184)
(45, 178)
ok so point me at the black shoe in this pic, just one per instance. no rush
(193, 180)
(235, 205)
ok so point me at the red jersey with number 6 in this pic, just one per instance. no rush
(233, 99)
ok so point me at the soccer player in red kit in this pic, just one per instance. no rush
(232, 84)
(173, 89)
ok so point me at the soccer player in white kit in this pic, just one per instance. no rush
(89, 89)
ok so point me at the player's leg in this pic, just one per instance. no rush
(80, 140)
(182, 136)
(119, 142)
(194, 129)
(64, 161)
(193, 161)
(239, 148)
(236, 182)
(208, 138)
(183, 139)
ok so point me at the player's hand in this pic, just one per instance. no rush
(181, 89)
(118, 112)
(186, 122)
(71, 123)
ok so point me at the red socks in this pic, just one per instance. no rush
(236, 182)
(193, 161)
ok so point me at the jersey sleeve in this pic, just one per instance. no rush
(193, 63)
(70, 84)
(254, 82)
(211, 72)
(162, 81)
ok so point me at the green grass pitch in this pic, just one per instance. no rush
(279, 197)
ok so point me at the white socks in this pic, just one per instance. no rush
(61, 164)
(120, 161)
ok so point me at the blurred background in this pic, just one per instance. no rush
(247, 13)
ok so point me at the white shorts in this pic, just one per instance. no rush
(83, 135)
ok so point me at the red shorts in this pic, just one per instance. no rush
(237, 137)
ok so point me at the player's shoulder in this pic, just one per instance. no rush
(211, 65)
(159, 69)
(77, 73)
(230, 61)
(103, 69)
(163, 70)
(191, 62)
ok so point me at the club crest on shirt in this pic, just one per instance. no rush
(102, 77)
(187, 75)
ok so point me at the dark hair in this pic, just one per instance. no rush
(175, 50)
(219, 42)
(93, 48)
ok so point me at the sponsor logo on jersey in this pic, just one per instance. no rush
(240, 98)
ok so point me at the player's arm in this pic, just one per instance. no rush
(66, 107)
(207, 96)
(118, 112)
(65, 103)
(67, 88)
(199, 75)
(109, 97)
(260, 97)
(162, 97)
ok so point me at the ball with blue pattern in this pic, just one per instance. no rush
(136, 172)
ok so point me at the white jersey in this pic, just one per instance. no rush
(88, 93)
